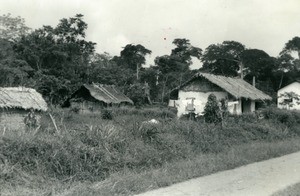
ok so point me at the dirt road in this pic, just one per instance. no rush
(257, 179)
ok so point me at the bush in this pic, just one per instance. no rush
(136, 93)
(212, 111)
(245, 117)
(281, 115)
(106, 114)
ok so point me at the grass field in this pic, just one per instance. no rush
(117, 154)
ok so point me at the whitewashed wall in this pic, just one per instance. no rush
(235, 107)
(294, 87)
(199, 102)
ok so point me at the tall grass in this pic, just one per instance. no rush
(90, 148)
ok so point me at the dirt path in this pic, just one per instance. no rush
(261, 178)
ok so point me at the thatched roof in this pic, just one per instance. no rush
(237, 87)
(107, 93)
(22, 98)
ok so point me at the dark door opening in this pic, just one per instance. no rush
(246, 105)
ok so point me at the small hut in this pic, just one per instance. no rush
(192, 95)
(91, 98)
(16, 103)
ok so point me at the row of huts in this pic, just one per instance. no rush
(191, 96)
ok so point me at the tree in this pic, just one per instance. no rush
(224, 59)
(173, 69)
(12, 28)
(284, 66)
(133, 56)
(102, 60)
(258, 63)
(14, 72)
(169, 63)
(180, 58)
(106, 71)
(136, 93)
(149, 75)
(184, 51)
(55, 89)
(292, 45)
(58, 54)
(288, 67)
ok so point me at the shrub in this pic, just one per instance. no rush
(245, 117)
(136, 93)
(106, 114)
(75, 109)
(212, 110)
(281, 115)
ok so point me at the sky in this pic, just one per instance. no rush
(259, 24)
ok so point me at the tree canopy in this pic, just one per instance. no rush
(224, 58)
(292, 45)
(56, 60)
(12, 28)
(133, 57)
(58, 55)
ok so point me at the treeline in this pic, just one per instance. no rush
(57, 60)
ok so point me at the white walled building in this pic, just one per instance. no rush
(240, 95)
(291, 102)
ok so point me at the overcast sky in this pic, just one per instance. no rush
(261, 24)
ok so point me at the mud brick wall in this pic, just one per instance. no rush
(12, 119)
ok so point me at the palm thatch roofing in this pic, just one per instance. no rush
(22, 98)
(237, 87)
(107, 93)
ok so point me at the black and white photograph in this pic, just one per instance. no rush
(149, 97)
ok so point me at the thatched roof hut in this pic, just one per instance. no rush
(94, 97)
(15, 103)
(107, 93)
(240, 95)
(21, 98)
(237, 87)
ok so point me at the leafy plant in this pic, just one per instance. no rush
(107, 114)
(289, 99)
(212, 112)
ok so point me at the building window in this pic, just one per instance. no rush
(289, 100)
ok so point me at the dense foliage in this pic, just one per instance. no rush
(57, 60)
(212, 112)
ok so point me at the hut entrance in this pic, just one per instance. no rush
(246, 105)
